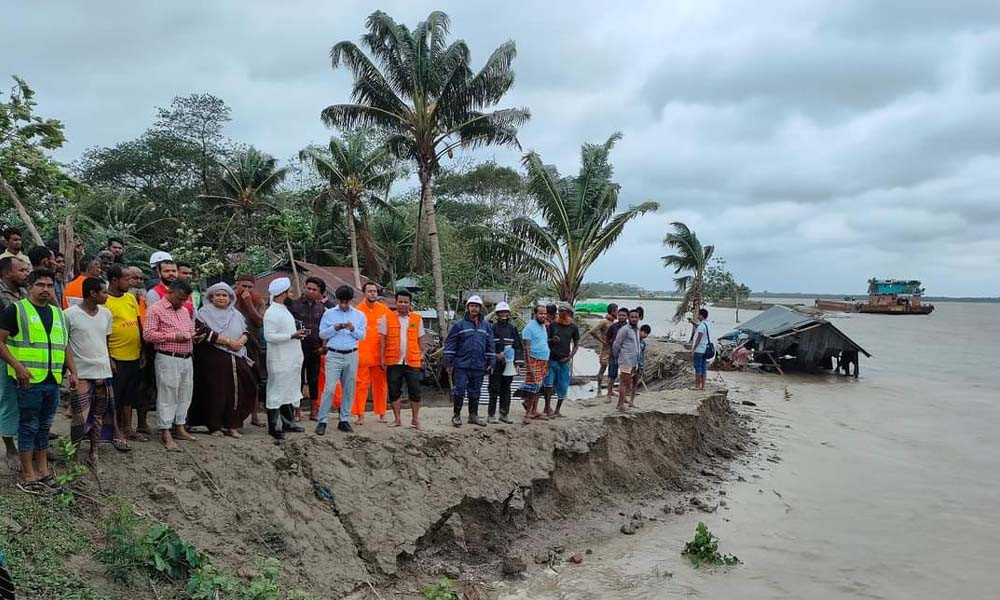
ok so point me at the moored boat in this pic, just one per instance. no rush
(885, 297)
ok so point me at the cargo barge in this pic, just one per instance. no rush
(885, 297)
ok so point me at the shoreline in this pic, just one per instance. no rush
(396, 509)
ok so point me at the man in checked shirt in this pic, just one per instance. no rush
(170, 329)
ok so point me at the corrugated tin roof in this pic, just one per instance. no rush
(776, 320)
(780, 321)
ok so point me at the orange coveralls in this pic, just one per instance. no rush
(370, 373)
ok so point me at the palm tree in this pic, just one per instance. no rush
(246, 181)
(580, 223)
(690, 257)
(356, 170)
(422, 92)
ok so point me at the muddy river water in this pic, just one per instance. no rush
(887, 486)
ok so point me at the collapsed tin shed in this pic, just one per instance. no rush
(807, 342)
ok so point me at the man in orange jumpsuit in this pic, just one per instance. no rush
(371, 373)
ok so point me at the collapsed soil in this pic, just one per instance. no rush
(346, 513)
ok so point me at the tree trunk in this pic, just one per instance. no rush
(427, 201)
(22, 212)
(352, 233)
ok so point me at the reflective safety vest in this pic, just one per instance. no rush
(412, 339)
(39, 351)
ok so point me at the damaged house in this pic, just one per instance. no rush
(782, 337)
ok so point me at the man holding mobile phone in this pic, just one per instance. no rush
(341, 328)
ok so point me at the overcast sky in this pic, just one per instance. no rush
(816, 144)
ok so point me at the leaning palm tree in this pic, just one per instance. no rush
(356, 170)
(580, 223)
(250, 177)
(690, 257)
(422, 92)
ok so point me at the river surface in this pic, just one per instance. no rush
(887, 487)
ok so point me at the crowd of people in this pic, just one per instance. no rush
(116, 345)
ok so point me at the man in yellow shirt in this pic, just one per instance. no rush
(125, 347)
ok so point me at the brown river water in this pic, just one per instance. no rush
(887, 486)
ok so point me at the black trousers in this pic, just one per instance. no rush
(396, 375)
(499, 390)
(310, 375)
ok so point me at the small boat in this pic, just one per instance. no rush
(885, 297)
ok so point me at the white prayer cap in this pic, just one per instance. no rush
(502, 306)
(279, 286)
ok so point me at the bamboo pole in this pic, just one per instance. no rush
(29, 224)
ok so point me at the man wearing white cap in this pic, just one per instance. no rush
(508, 350)
(468, 355)
(284, 357)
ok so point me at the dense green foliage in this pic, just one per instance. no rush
(720, 284)
(704, 549)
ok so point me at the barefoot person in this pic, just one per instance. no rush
(698, 348)
(610, 339)
(33, 339)
(371, 374)
(225, 378)
(170, 328)
(638, 376)
(284, 360)
(600, 333)
(125, 348)
(402, 353)
(535, 339)
(90, 325)
(626, 350)
(13, 276)
(564, 340)
(468, 355)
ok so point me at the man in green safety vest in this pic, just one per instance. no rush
(33, 339)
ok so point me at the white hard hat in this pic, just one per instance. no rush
(158, 257)
(474, 300)
(502, 306)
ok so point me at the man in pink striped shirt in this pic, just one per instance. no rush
(170, 329)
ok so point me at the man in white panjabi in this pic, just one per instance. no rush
(284, 359)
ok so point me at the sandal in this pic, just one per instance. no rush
(36, 488)
(135, 436)
(121, 445)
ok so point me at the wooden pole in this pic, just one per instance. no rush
(295, 269)
(29, 224)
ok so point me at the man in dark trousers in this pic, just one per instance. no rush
(469, 353)
(507, 336)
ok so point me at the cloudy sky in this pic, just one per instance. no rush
(816, 144)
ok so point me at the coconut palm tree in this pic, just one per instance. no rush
(580, 223)
(250, 177)
(690, 257)
(423, 93)
(357, 170)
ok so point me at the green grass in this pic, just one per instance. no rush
(38, 554)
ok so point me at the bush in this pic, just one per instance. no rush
(135, 548)
(704, 548)
(441, 590)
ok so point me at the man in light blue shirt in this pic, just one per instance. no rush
(535, 339)
(341, 328)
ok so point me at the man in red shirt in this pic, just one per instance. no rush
(168, 273)
(170, 329)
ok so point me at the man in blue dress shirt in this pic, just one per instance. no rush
(341, 328)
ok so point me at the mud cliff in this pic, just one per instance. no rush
(343, 511)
